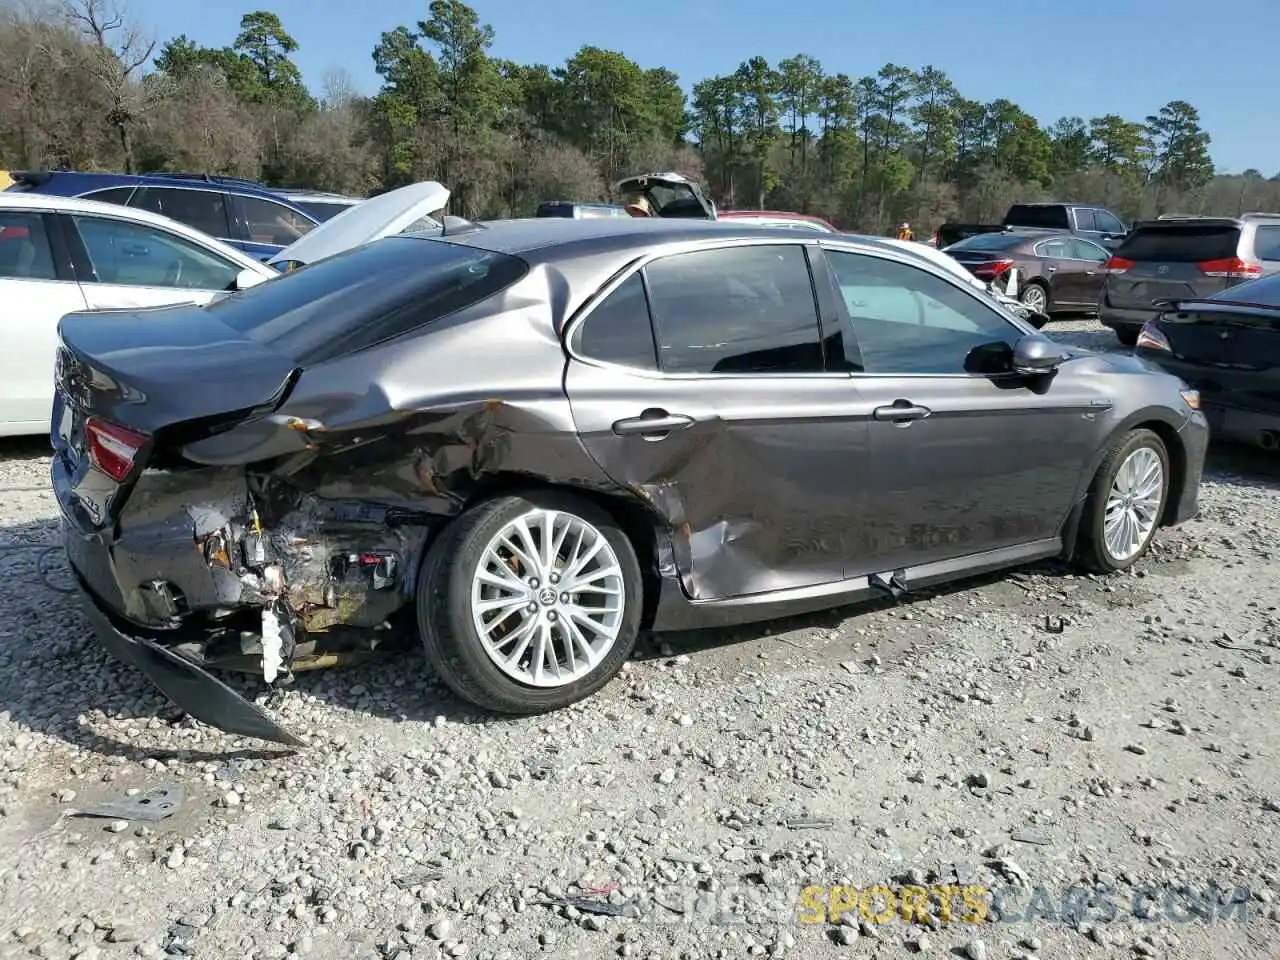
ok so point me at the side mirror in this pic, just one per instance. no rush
(1037, 356)
(247, 278)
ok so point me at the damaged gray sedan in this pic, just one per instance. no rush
(526, 442)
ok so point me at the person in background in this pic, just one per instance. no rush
(637, 205)
(904, 231)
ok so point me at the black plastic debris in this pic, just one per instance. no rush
(150, 807)
(602, 908)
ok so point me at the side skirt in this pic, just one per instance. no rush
(675, 611)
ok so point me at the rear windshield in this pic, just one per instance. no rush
(1048, 217)
(988, 241)
(366, 295)
(1180, 244)
(322, 210)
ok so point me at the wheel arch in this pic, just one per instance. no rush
(1159, 422)
(634, 518)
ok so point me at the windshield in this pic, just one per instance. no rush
(366, 295)
(988, 241)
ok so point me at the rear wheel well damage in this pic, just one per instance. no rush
(635, 520)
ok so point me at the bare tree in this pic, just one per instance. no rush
(121, 50)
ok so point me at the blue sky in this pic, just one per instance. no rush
(1052, 59)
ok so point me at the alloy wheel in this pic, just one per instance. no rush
(1033, 296)
(547, 598)
(1133, 504)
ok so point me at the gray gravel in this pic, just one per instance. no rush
(1040, 729)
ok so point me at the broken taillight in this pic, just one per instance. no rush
(112, 448)
(1152, 338)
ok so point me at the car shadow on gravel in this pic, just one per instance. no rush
(1239, 465)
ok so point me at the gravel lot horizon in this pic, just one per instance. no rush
(1034, 736)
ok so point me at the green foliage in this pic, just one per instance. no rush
(901, 144)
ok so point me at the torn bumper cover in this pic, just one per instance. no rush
(199, 693)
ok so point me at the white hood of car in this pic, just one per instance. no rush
(381, 216)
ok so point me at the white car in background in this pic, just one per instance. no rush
(62, 254)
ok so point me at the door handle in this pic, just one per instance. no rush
(901, 411)
(1091, 273)
(652, 424)
(1050, 268)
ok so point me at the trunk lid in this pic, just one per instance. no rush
(670, 195)
(1236, 347)
(151, 369)
(382, 216)
(1166, 261)
(168, 376)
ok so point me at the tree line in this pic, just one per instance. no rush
(82, 86)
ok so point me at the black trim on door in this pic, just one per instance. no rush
(79, 255)
(833, 316)
(63, 264)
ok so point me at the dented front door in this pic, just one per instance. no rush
(757, 475)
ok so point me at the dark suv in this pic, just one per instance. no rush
(1182, 257)
(243, 213)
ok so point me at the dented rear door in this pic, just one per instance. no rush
(723, 416)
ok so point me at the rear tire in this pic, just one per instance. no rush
(488, 611)
(1125, 504)
(1127, 336)
(1036, 296)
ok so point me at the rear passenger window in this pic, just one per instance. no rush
(117, 195)
(272, 223)
(1267, 242)
(618, 330)
(205, 210)
(739, 310)
(1085, 220)
(24, 248)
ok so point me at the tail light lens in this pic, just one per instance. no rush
(992, 269)
(1232, 267)
(1152, 338)
(1117, 265)
(112, 449)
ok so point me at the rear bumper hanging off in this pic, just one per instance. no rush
(195, 690)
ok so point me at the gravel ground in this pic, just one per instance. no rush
(1038, 733)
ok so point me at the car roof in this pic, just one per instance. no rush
(58, 204)
(106, 180)
(550, 238)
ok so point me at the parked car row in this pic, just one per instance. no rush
(60, 255)
(241, 213)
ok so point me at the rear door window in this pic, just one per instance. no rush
(1042, 217)
(737, 310)
(142, 255)
(205, 210)
(272, 223)
(1266, 242)
(25, 253)
(1181, 244)
(1086, 250)
(619, 330)
(1107, 223)
(1085, 221)
(366, 295)
(1057, 249)
(118, 195)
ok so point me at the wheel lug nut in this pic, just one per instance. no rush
(533, 582)
(555, 578)
(551, 616)
(532, 608)
(564, 598)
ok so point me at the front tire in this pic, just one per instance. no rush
(529, 603)
(1125, 503)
